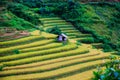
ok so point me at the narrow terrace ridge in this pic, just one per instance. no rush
(54, 65)
(56, 73)
(46, 57)
(33, 44)
(38, 53)
(20, 41)
(51, 61)
(86, 75)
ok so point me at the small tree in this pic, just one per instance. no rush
(54, 30)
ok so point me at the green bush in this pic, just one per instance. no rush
(20, 24)
(46, 11)
(54, 30)
(110, 73)
(1, 67)
(107, 48)
(85, 15)
(2, 2)
(30, 3)
(78, 42)
(23, 12)
(16, 51)
(87, 40)
(12, 21)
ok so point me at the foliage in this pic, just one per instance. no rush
(20, 24)
(111, 72)
(45, 10)
(78, 43)
(2, 31)
(111, 18)
(23, 12)
(54, 30)
(16, 51)
(85, 17)
(30, 3)
(1, 67)
(107, 47)
(3, 2)
(115, 21)
(88, 40)
(12, 21)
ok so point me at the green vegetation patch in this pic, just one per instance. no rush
(10, 20)
(24, 12)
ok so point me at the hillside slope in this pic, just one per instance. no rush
(44, 59)
(8, 19)
(101, 19)
(40, 57)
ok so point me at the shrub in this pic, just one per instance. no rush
(87, 40)
(54, 30)
(46, 11)
(2, 31)
(1, 67)
(78, 42)
(61, 8)
(110, 73)
(16, 51)
(30, 3)
(23, 12)
(107, 48)
(3, 2)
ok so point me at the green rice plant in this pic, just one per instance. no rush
(71, 34)
(67, 26)
(54, 21)
(36, 53)
(70, 28)
(97, 45)
(83, 35)
(52, 24)
(71, 31)
(62, 27)
(45, 57)
(49, 19)
(87, 40)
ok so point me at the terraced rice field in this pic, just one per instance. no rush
(42, 58)
(65, 27)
